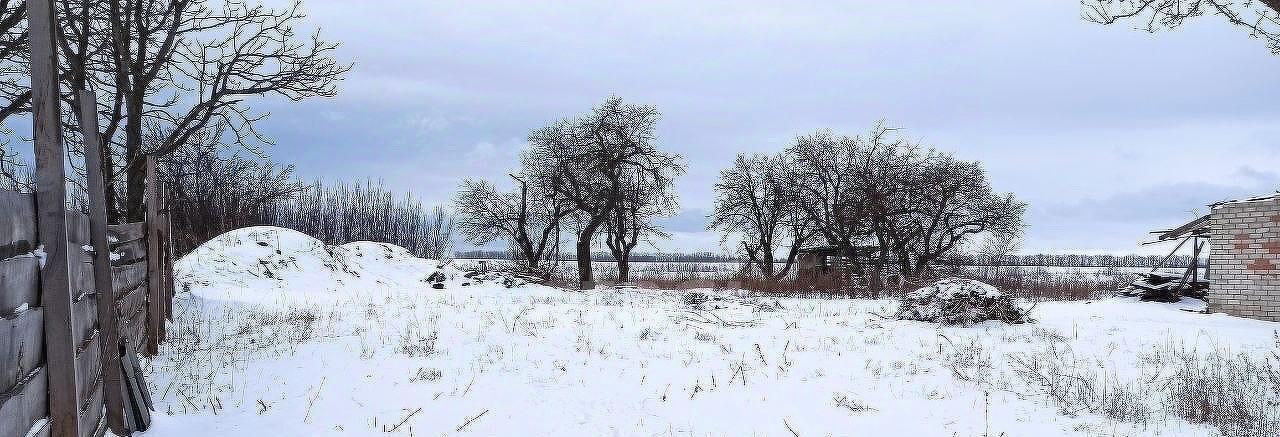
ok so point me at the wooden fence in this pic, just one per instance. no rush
(139, 295)
(79, 299)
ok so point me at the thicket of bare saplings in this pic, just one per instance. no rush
(891, 205)
(213, 194)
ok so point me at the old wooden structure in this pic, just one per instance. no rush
(833, 262)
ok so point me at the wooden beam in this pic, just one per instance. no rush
(51, 221)
(155, 278)
(109, 334)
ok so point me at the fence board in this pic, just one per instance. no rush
(25, 405)
(17, 223)
(129, 252)
(134, 325)
(122, 233)
(77, 228)
(130, 302)
(84, 319)
(128, 277)
(90, 415)
(80, 268)
(19, 283)
(21, 346)
(88, 370)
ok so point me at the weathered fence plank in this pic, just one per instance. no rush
(112, 414)
(130, 301)
(155, 306)
(21, 346)
(19, 284)
(77, 229)
(88, 369)
(24, 406)
(126, 232)
(129, 252)
(51, 219)
(90, 415)
(128, 277)
(84, 316)
(81, 272)
(17, 223)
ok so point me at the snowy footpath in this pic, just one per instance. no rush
(276, 334)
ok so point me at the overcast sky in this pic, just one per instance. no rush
(1107, 132)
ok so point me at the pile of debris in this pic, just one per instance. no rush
(956, 301)
(1165, 287)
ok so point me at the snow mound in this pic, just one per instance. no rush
(956, 301)
(273, 258)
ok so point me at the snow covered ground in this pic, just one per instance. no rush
(277, 334)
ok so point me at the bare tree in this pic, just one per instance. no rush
(957, 204)
(1261, 18)
(213, 193)
(826, 171)
(586, 160)
(528, 217)
(756, 203)
(998, 249)
(632, 220)
(15, 90)
(165, 71)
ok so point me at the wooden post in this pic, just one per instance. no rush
(51, 222)
(108, 331)
(155, 278)
(168, 254)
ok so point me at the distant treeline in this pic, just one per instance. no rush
(1034, 260)
(605, 256)
(1071, 260)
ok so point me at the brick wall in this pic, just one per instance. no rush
(1245, 259)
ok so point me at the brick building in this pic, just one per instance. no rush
(1244, 257)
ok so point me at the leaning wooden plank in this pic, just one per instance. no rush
(155, 303)
(128, 277)
(17, 220)
(112, 387)
(19, 284)
(77, 228)
(21, 346)
(122, 233)
(88, 370)
(136, 386)
(84, 319)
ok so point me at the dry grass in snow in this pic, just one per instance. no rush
(349, 341)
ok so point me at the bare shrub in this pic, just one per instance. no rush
(1237, 394)
(1077, 387)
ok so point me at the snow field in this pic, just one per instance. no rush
(349, 340)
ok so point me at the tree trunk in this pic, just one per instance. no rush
(624, 267)
(585, 279)
(136, 174)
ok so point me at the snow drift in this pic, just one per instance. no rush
(272, 258)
